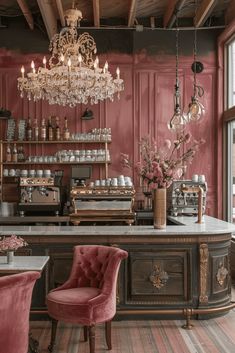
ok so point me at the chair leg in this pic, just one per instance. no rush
(85, 333)
(53, 334)
(108, 334)
(92, 338)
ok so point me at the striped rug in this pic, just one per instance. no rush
(160, 336)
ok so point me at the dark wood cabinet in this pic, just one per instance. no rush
(167, 273)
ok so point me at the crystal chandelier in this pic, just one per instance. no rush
(72, 76)
(196, 109)
(178, 120)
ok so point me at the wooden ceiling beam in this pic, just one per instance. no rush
(229, 14)
(202, 12)
(48, 16)
(27, 13)
(61, 12)
(132, 13)
(173, 7)
(96, 12)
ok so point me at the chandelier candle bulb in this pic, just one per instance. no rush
(33, 66)
(69, 64)
(22, 71)
(80, 60)
(118, 73)
(106, 66)
(44, 61)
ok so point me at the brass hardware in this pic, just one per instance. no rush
(158, 277)
(203, 298)
(188, 313)
(221, 274)
(198, 190)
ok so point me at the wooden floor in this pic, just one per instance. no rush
(160, 336)
(145, 336)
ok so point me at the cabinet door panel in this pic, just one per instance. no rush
(159, 276)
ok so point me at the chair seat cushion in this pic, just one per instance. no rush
(72, 305)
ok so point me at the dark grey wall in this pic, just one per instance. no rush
(17, 36)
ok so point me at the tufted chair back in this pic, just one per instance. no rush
(15, 293)
(88, 297)
(92, 264)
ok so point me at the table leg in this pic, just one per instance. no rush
(33, 344)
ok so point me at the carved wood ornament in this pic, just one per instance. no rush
(203, 298)
(221, 274)
(158, 277)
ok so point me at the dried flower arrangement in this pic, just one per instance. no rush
(158, 167)
(12, 243)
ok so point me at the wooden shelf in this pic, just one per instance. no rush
(39, 163)
(52, 142)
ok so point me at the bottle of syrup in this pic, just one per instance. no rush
(43, 132)
(50, 130)
(57, 129)
(36, 130)
(8, 154)
(66, 134)
(29, 130)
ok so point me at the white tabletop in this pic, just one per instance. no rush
(23, 263)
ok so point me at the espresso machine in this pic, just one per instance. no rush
(183, 200)
(40, 194)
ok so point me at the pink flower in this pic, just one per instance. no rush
(12, 243)
(149, 175)
(167, 144)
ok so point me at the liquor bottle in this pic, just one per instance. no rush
(8, 154)
(43, 132)
(36, 130)
(14, 153)
(29, 130)
(57, 129)
(66, 134)
(21, 156)
(50, 130)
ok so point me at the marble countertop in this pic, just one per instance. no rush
(23, 263)
(183, 225)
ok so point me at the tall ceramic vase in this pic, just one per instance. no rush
(159, 212)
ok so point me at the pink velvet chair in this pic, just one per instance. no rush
(89, 295)
(15, 293)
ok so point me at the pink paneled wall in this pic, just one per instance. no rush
(145, 108)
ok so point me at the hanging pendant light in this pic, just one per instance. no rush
(196, 109)
(178, 120)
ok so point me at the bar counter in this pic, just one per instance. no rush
(183, 270)
(180, 226)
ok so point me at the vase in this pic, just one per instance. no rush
(159, 211)
(10, 257)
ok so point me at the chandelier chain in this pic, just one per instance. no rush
(195, 52)
(177, 49)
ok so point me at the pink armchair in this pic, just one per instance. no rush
(89, 295)
(15, 293)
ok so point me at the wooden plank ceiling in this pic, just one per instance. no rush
(122, 13)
